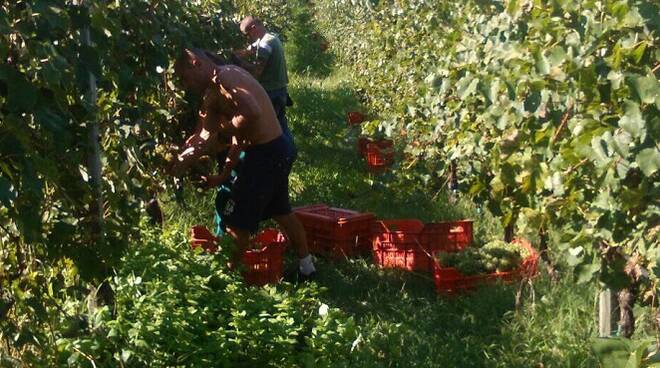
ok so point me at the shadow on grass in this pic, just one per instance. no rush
(421, 326)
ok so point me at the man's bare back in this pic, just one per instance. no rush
(236, 103)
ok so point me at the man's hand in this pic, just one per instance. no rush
(243, 53)
(182, 161)
(213, 181)
(198, 139)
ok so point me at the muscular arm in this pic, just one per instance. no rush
(255, 68)
(232, 159)
(227, 111)
(210, 122)
(204, 140)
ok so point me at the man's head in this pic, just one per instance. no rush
(194, 69)
(252, 28)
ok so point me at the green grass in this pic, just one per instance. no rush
(188, 310)
(399, 319)
(403, 321)
(174, 307)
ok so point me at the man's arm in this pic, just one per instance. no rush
(244, 53)
(256, 68)
(261, 52)
(233, 157)
(204, 141)
(210, 123)
(246, 109)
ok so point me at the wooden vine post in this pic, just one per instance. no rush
(94, 165)
(607, 321)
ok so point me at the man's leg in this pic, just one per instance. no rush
(296, 234)
(242, 240)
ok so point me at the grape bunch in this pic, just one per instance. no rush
(494, 256)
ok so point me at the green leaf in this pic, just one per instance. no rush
(73, 359)
(638, 53)
(22, 94)
(621, 143)
(542, 65)
(632, 122)
(633, 19)
(615, 79)
(467, 86)
(126, 355)
(585, 272)
(557, 56)
(612, 352)
(513, 7)
(6, 195)
(575, 256)
(646, 88)
(648, 160)
(601, 151)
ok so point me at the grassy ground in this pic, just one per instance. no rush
(401, 321)
(404, 322)
(177, 308)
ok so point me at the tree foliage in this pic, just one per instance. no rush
(550, 109)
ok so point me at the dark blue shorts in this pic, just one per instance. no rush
(280, 98)
(261, 189)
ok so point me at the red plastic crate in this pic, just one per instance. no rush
(264, 264)
(354, 118)
(202, 237)
(362, 145)
(383, 144)
(396, 245)
(448, 280)
(379, 159)
(335, 232)
(448, 236)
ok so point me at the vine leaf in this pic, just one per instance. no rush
(6, 195)
(646, 88)
(632, 122)
(648, 160)
(22, 95)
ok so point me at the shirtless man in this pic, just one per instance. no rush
(235, 105)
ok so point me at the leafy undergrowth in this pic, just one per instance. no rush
(178, 308)
(175, 307)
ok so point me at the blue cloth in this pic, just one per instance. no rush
(222, 196)
(223, 193)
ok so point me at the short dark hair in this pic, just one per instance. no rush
(249, 21)
(185, 59)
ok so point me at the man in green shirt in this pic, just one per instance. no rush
(268, 66)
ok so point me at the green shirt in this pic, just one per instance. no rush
(269, 50)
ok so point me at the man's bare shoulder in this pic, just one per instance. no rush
(228, 74)
(234, 80)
